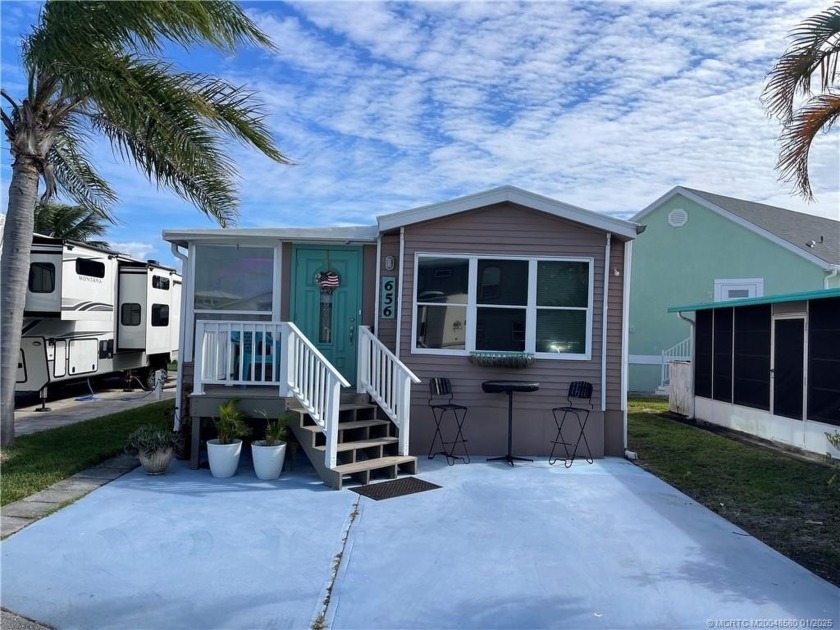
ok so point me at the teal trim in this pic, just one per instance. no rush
(768, 299)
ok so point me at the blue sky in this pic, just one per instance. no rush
(389, 106)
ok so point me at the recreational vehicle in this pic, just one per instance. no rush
(93, 312)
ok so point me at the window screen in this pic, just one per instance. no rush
(130, 314)
(160, 315)
(703, 354)
(824, 360)
(42, 277)
(788, 367)
(92, 268)
(751, 360)
(722, 358)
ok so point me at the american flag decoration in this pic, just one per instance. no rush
(327, 280)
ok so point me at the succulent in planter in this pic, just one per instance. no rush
(269, 454)
(277, 431)
(223, 452)
(230, 425)
(154, 447)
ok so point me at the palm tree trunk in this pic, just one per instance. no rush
(14, 275)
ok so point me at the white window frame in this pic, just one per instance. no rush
(530, 308)
(755, 286)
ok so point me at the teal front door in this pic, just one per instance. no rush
(326, 302)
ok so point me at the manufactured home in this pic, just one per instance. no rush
(700, 247)
(93, 312)
(768, 366)
(349, 324)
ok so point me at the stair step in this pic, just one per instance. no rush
(349, 446)
(341, 407)
(352, 424)
(373, 464)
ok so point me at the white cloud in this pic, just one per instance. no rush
(139, 251)
(605, 105)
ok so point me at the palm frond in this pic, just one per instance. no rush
(74, 223)
(170, 124)
(236, 114)
(815, 49)
(819, 114)
(69, 29)
(202, 181)
(77, 179)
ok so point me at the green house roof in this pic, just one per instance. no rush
(768, 299)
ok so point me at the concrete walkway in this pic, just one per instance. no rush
(84, 406)
(595, 546)
(18, 515)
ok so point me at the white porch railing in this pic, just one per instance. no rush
(273, 353)
(237, 353)
(678, 352)
(388, 382)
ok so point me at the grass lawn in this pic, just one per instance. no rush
(38, 460)
(786, 503)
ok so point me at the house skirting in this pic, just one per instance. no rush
(807, 435)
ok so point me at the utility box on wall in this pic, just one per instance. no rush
(680, 392)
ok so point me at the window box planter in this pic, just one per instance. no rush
(502, 359)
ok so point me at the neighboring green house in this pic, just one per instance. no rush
(701, 248)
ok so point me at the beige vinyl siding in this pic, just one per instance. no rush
(507, 229)
(614, 323)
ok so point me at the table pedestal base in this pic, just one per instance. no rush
(509, 459)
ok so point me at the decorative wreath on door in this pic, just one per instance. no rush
(327, 280)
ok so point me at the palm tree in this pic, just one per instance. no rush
(815, 50)
(93, 69)
(74, 223)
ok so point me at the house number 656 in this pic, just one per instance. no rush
(388, 297)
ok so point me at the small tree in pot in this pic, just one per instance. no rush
(270, 454)
(224, 451)
(154, 447)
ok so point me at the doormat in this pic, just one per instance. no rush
(395, 488)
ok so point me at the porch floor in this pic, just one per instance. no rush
(594, 546)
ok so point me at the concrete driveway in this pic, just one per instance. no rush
(595, 546)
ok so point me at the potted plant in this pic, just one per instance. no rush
(154, 447)
(224, 451)
(270, 454)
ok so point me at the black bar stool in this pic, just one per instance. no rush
(440, 401)
(579, 404)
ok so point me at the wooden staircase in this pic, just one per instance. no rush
(367, 445)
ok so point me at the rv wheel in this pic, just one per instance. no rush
(146, 376)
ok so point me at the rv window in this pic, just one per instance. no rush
(87, 267)
(130, 314)
(42, 277)
(159, 282)
(160, 315)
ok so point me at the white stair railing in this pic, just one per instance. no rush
(228, 352)
(316, 383)
(678, 352)
(388, 382)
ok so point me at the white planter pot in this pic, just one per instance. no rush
(224, 458)
(268, 460)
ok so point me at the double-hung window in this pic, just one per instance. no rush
(481, 303)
